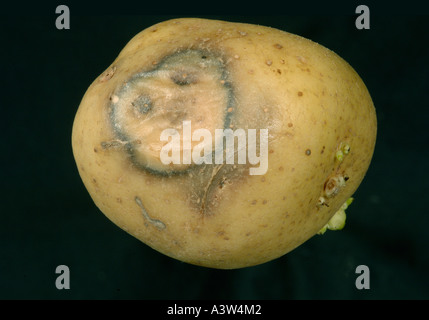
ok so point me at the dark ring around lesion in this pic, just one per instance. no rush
(143, 105)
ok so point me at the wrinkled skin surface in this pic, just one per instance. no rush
(221, 75)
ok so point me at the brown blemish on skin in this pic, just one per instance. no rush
(300, 94)
(323, 150)
(95, 150)
(290, 124)
(108, 74)
(278, 46)
(112, 144)
(264, 202)
(254, 202)
(281, 169)
(308, 152)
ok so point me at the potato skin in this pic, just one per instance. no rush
(309, 98)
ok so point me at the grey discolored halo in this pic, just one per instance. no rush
(183, 61)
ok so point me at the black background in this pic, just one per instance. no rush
(48, 219)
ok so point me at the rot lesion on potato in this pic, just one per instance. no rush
(165, 96)
(188, 84)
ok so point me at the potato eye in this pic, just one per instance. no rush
(183, 78)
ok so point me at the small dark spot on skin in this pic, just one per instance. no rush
(226, 238)
(300, 94)
(271, 151)
(203, 57)
(220, 233)
(323, 150)
(278, 46)
(264, 202)
(119, 200)
(279, 71)
(281, 169)
(292, 170)
(290, 125)
(346, 178)
(254, 202)
(93, 180)
(95, 150)
(248, 234)
(308, 152)
(284, 198)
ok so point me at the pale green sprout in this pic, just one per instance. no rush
(344, 149)
(338, 221)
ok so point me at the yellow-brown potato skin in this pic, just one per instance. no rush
(311, 101)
